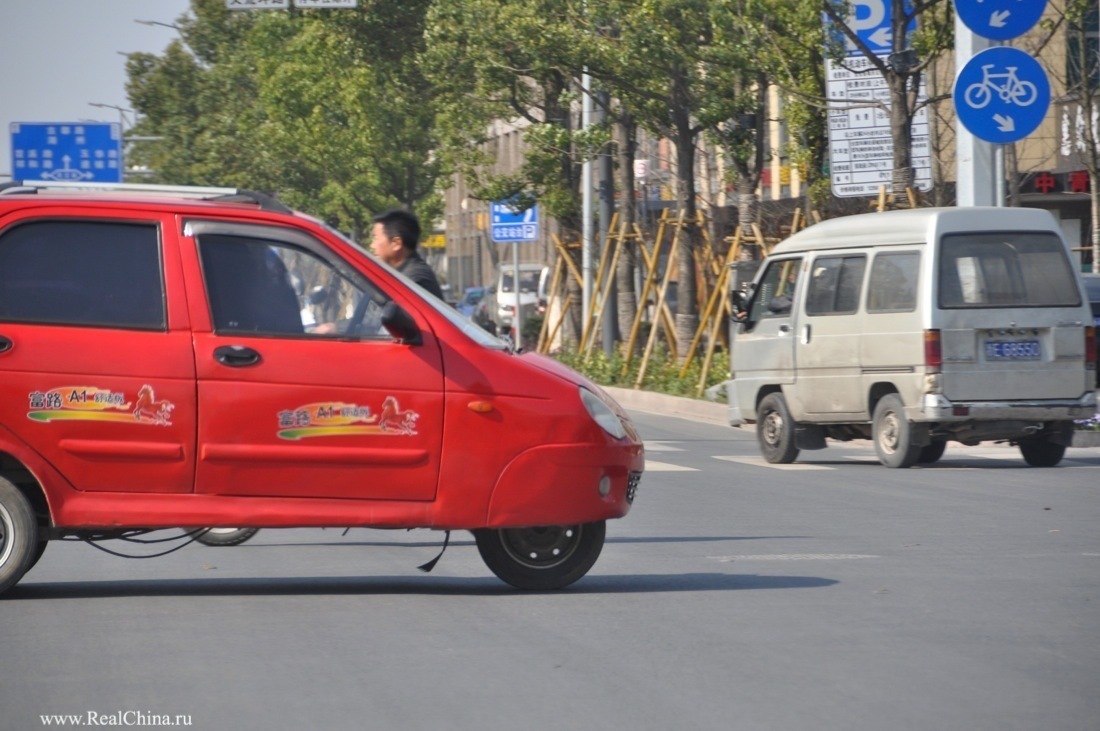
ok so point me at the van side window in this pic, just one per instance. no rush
(1005, 269)
(82, 273)
(774, 293)
(892, 286)
(835, 283)
(266, 287)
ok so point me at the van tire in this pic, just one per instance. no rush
(892, 434)
(775, 430)
(1038, 452)
(931, 453)
(226, 536)
(18, 535)
(543, 557)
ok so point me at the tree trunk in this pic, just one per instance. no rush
(627, 297)
(687, 308)
(901, 130)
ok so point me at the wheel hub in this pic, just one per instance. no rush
(7, 528)
(541, 547)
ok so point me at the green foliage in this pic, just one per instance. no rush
(662, 373)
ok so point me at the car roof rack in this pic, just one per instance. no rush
(224, 195)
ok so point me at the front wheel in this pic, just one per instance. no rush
(892, 433)
(542, 557)
(775, 430)
(18, 535)
(1039, 452)
(226, 536)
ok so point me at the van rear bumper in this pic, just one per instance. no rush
(936, 407)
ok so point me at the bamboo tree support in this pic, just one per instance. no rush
(599, 301)
(660, 302)
(544, 342)
(716, 299)
(651, 261)
(561, 320)
(724, 312)
(605, 297)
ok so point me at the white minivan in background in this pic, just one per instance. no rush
(916, 328)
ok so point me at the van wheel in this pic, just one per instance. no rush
(18, 535)
(226, 536)
(543, 557)
(775, 430)
(1039, 452)
(931, 453)
(891, 432)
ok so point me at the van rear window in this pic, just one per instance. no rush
(1005, 269)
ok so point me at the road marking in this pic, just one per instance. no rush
(791, 557)
(651, 466)
(761, 462)
(662, 446)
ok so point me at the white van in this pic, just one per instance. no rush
(913, 329)
(530, 277)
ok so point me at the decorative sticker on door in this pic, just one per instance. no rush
(335, 419)
(91, 403)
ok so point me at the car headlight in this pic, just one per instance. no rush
(602, 414)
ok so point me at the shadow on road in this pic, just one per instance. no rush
(412, 585)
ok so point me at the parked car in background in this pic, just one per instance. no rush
(470, 299)
(1092, 287)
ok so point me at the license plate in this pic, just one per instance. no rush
(1013, 350)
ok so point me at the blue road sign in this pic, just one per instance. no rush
(509, 225)
(1002, 94)
(1000, 19)
(871, 21)
(88, 152)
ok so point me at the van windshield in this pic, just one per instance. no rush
(528, 281)
(1005, 269)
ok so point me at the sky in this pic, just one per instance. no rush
(62, 55)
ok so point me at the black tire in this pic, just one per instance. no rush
(542, 557)
(1039, 452)
(892, 434)
(18, 535)
(38, 551)
(226, 536)
(931, 453)
(775, 430)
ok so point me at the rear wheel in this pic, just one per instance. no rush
(775, 430)
(226, 536)
(1039, 452)
(892, 434)
(18, 535)
(931, 453)
(543, 557)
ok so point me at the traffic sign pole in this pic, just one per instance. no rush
(974, 185)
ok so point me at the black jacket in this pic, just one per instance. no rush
(418, 270)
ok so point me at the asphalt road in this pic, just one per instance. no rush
(832, 594)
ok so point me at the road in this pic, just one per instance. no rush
(832, 594)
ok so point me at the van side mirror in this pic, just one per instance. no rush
(400, 324)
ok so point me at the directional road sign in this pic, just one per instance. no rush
(1002, 94)
(67, 151)
(509, 225)
(871, 20)
(1000, 19)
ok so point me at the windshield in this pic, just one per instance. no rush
(528, 281)
(1006, 269)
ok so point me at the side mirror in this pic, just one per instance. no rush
(400, 324)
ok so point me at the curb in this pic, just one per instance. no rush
(659, 403)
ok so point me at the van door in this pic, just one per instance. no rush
(829, 380)
(301, 392)
(763, 347)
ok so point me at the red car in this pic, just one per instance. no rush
(162, 365)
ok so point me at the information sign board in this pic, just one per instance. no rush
(509, 225)
(67, 151)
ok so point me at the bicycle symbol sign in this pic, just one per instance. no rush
(1002, 95)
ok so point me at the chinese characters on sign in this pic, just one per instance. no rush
(861, 148)
(1046, 183)
(67, 152)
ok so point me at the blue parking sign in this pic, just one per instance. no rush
(509, 225)
(88, 152)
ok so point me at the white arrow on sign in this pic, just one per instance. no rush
(998, 17)
(881, 37)
(1005, 124)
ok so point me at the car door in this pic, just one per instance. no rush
(300, 391)
(97, 371)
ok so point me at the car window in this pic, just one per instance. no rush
(265, 287)
(1005, 269)
(82, 273)
(835, 284)
(892, 286)
(774, 294)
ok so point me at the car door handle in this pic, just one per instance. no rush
(236, 356)
(5, 344)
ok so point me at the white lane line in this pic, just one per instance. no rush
(662, 446)
(651, 466)
(761, 462)
(792, 557)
